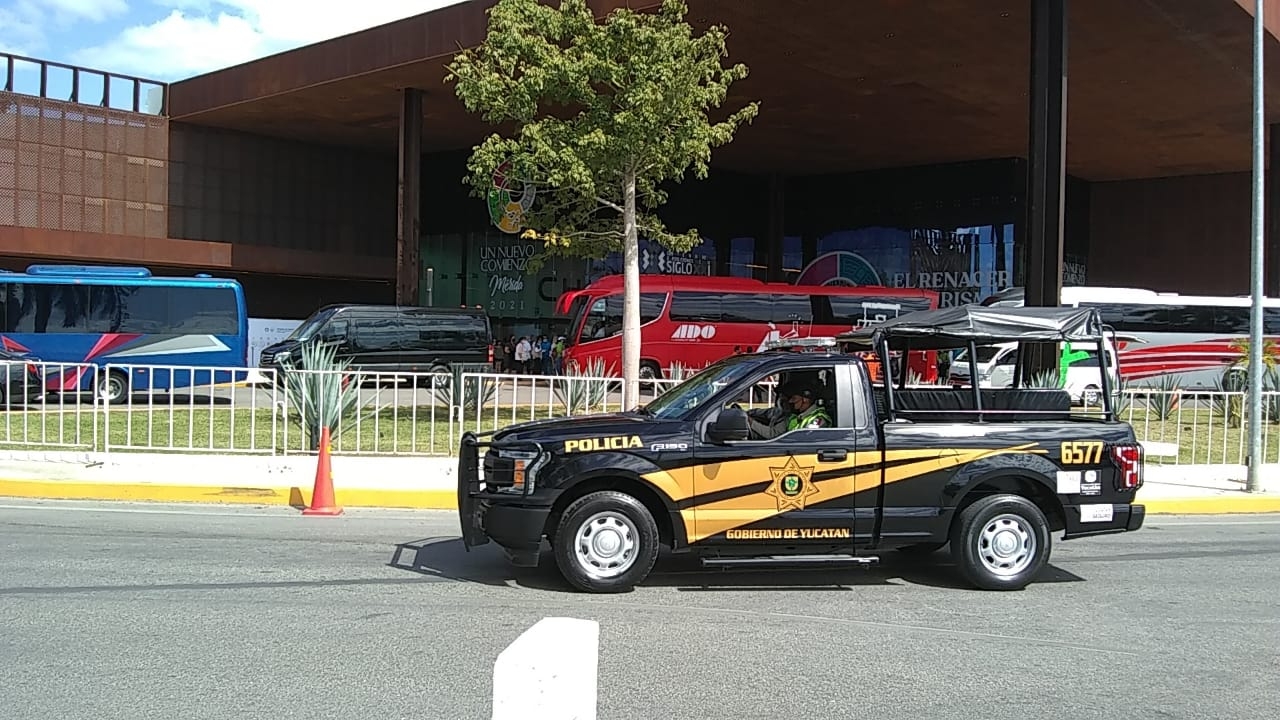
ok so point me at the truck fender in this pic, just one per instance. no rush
(1033, 476)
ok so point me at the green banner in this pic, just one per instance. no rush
(492, 270)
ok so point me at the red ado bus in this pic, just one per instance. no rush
(696, 320)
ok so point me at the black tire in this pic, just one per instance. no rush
(627, 519)
(649, 370)
(921, 549)
(1010, 519)
(112, 387)
(426, 381)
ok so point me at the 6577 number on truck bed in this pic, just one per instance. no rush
(713, 467)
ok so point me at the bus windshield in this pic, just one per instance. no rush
(577, 313)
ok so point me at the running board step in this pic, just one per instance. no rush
(800, 560)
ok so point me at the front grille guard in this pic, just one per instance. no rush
(470, 490)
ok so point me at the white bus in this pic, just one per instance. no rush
(1192, 337)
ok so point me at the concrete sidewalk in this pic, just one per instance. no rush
(429, 482)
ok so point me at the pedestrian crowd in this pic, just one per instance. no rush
(528, 355)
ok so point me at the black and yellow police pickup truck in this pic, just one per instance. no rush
(845, 470)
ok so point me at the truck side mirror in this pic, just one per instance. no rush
(730, 424)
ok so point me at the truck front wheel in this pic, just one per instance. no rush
(606, 542)
(1001, 542)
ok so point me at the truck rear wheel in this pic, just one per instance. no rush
(606, 542)
(1001, 542)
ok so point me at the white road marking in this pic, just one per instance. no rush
(550, 671)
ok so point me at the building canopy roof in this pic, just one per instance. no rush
(1156, 88)
(954, 327)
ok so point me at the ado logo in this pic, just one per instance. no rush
(694, 332)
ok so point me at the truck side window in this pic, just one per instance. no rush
(774, 416)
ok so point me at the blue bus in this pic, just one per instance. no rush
(100, 315)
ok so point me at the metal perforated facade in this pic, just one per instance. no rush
(67, 166)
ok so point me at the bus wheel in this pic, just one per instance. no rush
(606, 542)
(649, 370)
(113, 387)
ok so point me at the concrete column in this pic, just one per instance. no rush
(1046, 161)
(408, 230)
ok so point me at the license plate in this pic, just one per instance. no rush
(1096, 513)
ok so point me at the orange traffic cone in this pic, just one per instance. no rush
(322, 500)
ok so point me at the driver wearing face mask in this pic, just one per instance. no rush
(768, 423)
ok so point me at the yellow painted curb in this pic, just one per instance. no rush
(298, 497)
(1212, 505)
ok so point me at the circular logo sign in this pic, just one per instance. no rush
(791, 485)
(839, 267)
(506, 212)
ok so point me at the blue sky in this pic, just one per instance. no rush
(169, 40)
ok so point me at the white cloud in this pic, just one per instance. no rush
(25, 24)
(199, 36)
(91, 10)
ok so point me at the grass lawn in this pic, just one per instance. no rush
(1201, 434)
(404, 430)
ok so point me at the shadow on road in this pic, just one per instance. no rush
(446, 558)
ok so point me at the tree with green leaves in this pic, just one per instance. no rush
(603, 115)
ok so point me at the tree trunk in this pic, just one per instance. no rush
(630, 295)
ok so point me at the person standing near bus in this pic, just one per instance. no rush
(523, 353)
(557, 356)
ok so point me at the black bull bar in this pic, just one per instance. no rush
(471, 494)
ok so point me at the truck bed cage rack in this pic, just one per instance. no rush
(967, 326)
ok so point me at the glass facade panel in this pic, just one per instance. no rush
(963, 265)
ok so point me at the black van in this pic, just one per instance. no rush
(391, 338)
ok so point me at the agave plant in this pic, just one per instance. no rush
(1271, 395)
(475, 393)
(1121, 398)
(1044, 379)
(582, 387)
(1165, 404)
(322, 393)
(678, 371)
(1227, 401)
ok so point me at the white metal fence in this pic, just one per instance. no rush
(172, 408)
(1199, 428)
(50, 406)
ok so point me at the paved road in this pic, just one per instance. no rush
(118, 611)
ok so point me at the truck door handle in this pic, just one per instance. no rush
(832, 455)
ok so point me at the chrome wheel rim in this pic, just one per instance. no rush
(605, 545)
(1006, 545)
(110, 388)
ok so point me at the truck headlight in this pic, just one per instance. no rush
(524, 473)
(280, 357)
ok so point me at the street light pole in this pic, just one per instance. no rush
(1253, 483)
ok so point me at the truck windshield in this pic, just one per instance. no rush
(303, 332)
(689, 394)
